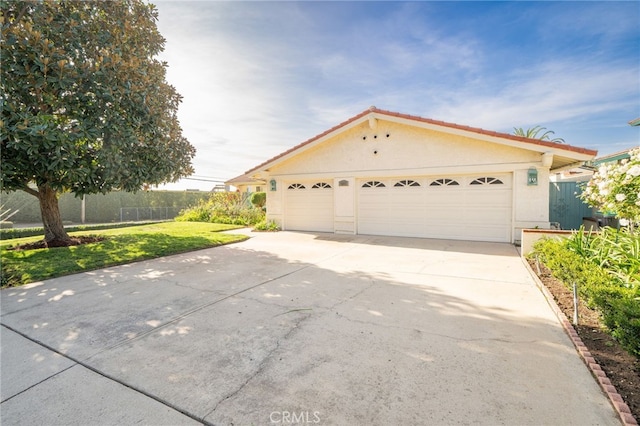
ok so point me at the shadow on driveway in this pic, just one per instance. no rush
(361, 330)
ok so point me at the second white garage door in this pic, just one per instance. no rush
(309, 206)
(458, 207)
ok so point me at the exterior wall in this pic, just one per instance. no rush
(410, 149)
(393, 149)
(531, 203)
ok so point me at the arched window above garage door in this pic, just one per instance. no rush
(444, 182)
(320, 185)
(373, 184)
(407, 182)
(486, 181)
(296, 186)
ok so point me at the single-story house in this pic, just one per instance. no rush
(245, 183)
(387, 173)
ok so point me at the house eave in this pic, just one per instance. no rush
(562, 154)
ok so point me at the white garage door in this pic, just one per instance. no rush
(309, 206)
(458, 207)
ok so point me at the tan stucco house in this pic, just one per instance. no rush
(386, 173)
(245, 183)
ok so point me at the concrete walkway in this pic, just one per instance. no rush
(296, 328)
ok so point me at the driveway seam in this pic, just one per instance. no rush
(103, 374)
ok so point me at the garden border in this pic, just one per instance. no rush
(624, 413)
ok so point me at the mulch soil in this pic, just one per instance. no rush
(622, 368)
(73, 241)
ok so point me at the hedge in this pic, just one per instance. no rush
(618, 304)
(99, 208)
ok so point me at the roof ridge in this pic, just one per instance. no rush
(490, 132)
(375, 110)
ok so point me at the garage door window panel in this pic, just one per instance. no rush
(444, 182)
(373, 184)
(321, 185)
(487, 181)
(406, 183)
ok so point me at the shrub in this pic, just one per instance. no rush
(258, 199)
(265, 225)
(615, 187)
(615, 250)
(223, 207)
(617, 301)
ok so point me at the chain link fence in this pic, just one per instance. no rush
(135, 214)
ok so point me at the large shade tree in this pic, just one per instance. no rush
(85, 104)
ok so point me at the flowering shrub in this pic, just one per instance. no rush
(223, 207)
(615, 188)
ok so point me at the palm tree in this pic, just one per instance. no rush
(533, 133)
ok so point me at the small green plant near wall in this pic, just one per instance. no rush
(268, 226)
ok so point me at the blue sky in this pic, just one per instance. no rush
(260, 77)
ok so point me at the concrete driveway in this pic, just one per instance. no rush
(296, 328)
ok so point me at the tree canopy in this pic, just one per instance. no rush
(85, 104)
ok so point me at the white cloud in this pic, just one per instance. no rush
(549, 92)
(258, 78)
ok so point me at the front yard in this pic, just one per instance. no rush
(110, 247)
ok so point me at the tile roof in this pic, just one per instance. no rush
(381, 112)
(245, 178)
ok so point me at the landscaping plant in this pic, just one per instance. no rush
(605, 265)
(615, 188)
(224, 207)
(266, 225)
(611, 287)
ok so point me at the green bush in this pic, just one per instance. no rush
(617, 301)
(223, 207)
(615, 250)
(258, 199)
(100, 208)
(265, 225)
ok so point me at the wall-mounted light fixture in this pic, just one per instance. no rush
(532, 176)
(272, 184)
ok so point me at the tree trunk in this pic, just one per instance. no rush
(54, 233)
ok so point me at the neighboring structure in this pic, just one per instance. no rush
(565, 206)
(245, 183)
(220, 188)
(386, 173)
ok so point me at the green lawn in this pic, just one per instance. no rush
(123, 245)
